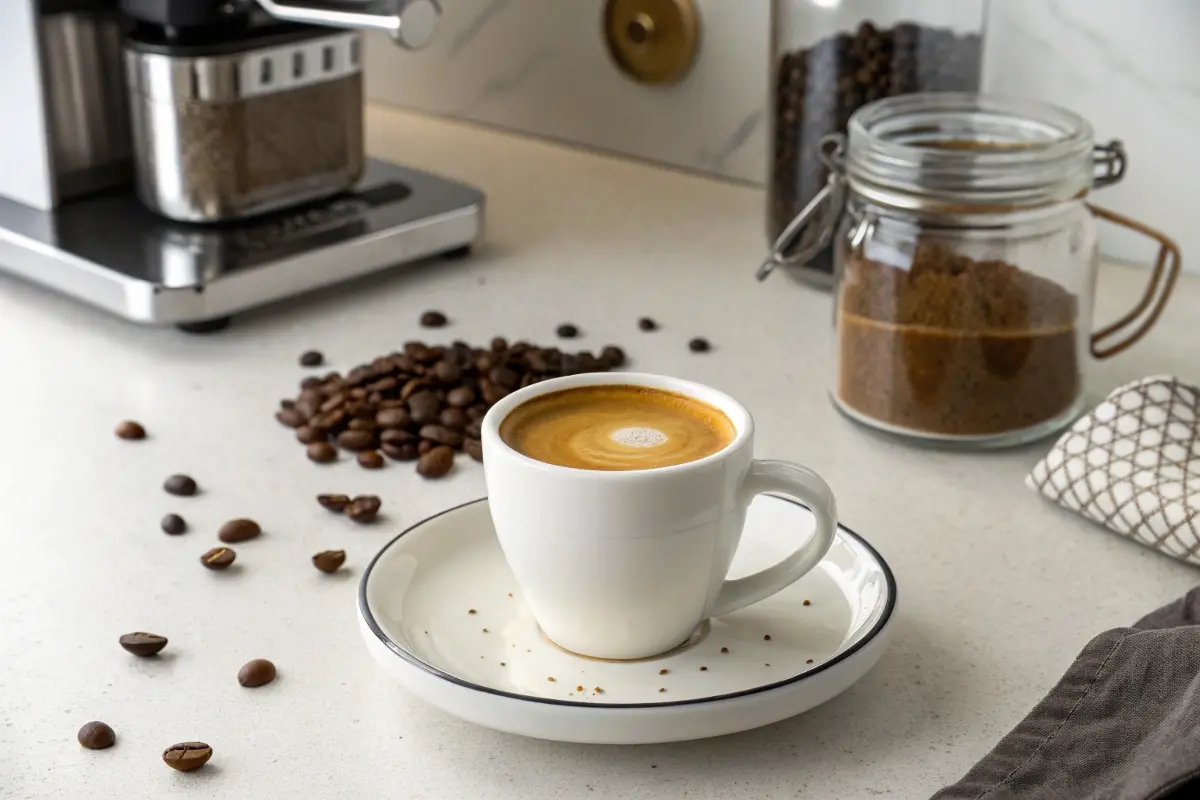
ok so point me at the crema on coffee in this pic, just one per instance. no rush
(617, 427)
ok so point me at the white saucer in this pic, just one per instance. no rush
(440, 611)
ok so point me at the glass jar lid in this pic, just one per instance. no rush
(950, 149)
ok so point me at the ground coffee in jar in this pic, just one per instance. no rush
(966, 256)
(951, 345)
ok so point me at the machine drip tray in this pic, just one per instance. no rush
(112, 253)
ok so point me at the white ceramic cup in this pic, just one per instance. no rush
(625, 565)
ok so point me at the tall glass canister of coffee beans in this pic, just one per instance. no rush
(830, 57)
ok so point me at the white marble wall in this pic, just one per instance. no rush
(1132, 69)
(539, 66)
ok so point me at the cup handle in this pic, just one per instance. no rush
(811, 490)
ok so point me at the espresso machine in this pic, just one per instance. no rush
(178, 161)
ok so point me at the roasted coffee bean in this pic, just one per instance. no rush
(400, 452)
(477, 412)
(180, 485)
(447, 372)
(440, 434)
(96, 736)
(308, 434)
(699, 345)
(424, 446)
(647, 324)
(218, 558)
(393, 418)
(367, 425)
(311, 382)
(312, 358)
(130, 430)
(493, 393)
(329, 560)
(414, 386)
(255, 673)
(433, 319)
(424, 407)
(239, 530)
(499, 344)
(393, 436)
(504, 377)
(143, 644)
(173, 524)
(364, 508)
(333, 502)
(473, 429)
(567, 331)
(187, 756)
(612, 357)
(370, 459)
(473, 448)
(461, 396)
(436, 463)
(453, 418)
(537, 361)
(322, 452)
(354, 441)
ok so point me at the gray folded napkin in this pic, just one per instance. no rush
(1122, 724)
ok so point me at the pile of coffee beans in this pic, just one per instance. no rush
(423, 403)
(818, 88)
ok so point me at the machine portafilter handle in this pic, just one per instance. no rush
(410, 23)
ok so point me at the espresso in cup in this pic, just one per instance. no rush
(617, 427)
(619, 501)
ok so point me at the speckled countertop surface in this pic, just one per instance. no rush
(999, 590)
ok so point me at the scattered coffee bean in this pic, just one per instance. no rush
(218, 558)
(307, 434)
(96, 736)
(809, 661)
(440, 434)
(370, 459)
(808, 602)
(454, 418)
(291, 417)
(767, 638)
(173, 524)
(724, 649)
(433, 319)
(258, 672)
(187, 756)
(473, 448)
(663, 671)
(381, 405)
(239, 530)
(364, 508)
(333, 502)
(322, 452)
(356, 441)
(400, 452)
(436, 463)
(567, 331)
(329, 560)
(143, 644)
(704, 669)
(393, 418)
(699, 345)
(647, 324)
(130, 431)
(180, 485)
(312, 358)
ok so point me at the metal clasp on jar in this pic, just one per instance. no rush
(812, 229)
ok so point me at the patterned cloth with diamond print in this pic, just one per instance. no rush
(1133, 465)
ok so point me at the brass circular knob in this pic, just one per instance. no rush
(652, 41)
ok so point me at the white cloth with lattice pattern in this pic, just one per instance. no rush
(1133, 466)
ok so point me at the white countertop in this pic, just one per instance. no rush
(998, 590)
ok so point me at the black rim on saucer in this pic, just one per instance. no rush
(388, 642)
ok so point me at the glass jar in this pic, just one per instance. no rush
(965, 266)
(829, 57)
